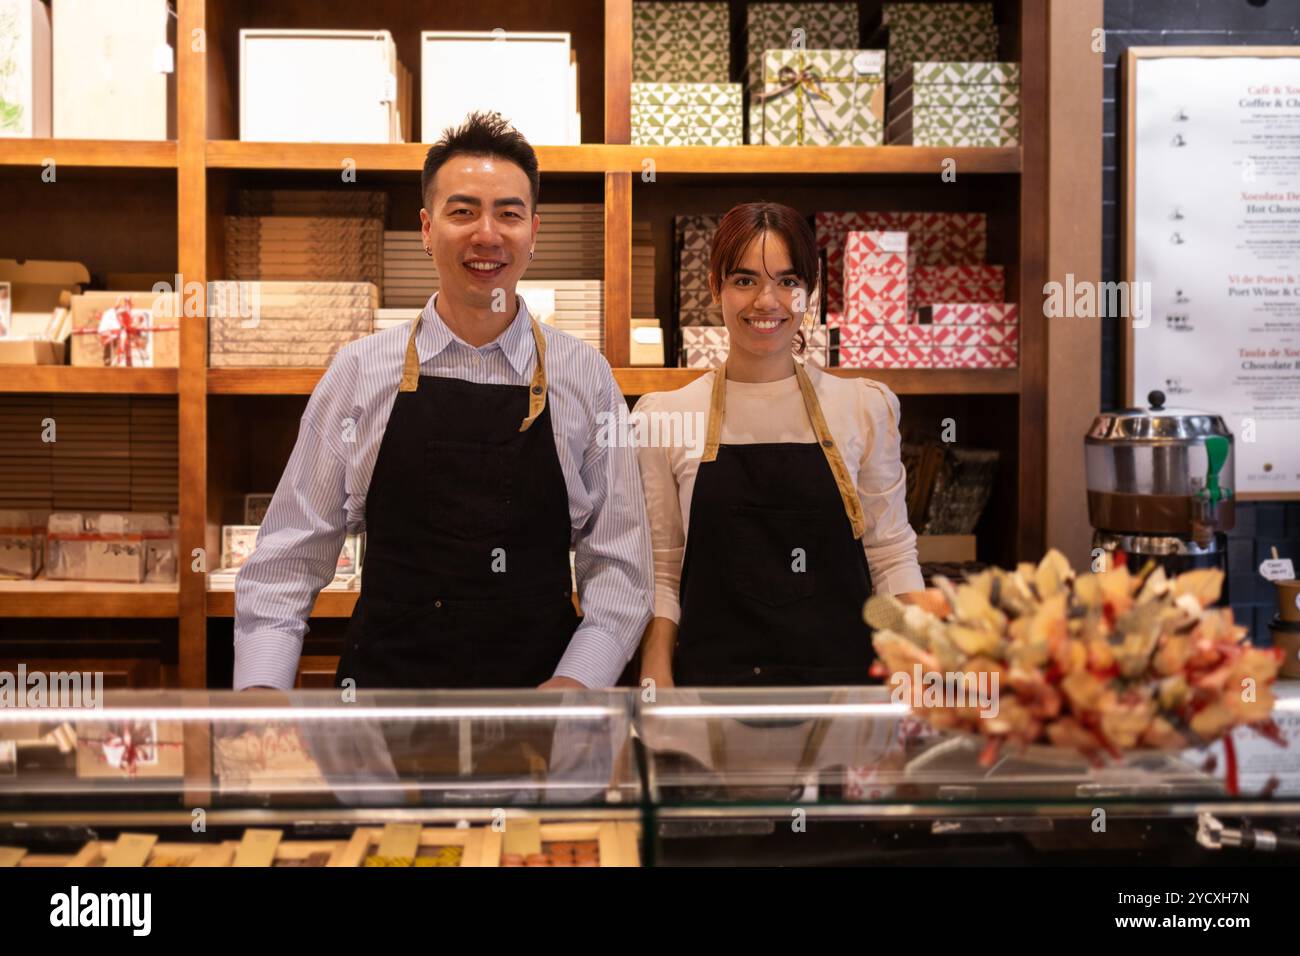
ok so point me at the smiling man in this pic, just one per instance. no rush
(466, 446)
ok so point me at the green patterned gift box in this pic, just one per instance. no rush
(948, 31)
(941, 126)
(686, 114)
(961, 73)
(822, 98)
(681, 42)
(773, 26)
(952, 96)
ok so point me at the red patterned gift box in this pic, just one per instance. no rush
(934, 238)
(1003, 333)
(885, 333)
(875, 271)
(975, 356)
(872, 312)
(885, 356)
(968, 283)
(967, 313)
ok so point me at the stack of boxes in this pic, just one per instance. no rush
(956, 104)
(912, 290)
(129, 547)
(813, 28)
(575, 306)
(703, 339)
(681, 64)
(291, 325)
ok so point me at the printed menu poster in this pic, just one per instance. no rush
(1216, 232)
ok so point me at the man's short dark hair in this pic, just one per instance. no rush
(482, 134)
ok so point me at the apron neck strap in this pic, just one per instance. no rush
(536, 389)
(848, 493)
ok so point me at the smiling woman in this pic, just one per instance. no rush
(767, 544)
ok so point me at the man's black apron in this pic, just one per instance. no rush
(466, 580)
(774, 576)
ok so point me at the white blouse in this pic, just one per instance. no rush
(863, 418)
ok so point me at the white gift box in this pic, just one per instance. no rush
(320, 86)
(114, 70)
(529, 78)
(25, 73)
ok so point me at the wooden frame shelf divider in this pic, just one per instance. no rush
(207, 162)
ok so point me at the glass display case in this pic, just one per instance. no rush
(605, 778)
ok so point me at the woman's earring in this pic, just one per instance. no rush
(530, 255)
(428, 251)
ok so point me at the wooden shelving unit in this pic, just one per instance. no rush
(237, 424)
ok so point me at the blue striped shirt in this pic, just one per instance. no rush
(322, 493)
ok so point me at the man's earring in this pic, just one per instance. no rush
(530, 255)
(428, 251)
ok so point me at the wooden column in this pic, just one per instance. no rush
(618, 185)
(191, 180)
(1073, 247)
(1034, 107)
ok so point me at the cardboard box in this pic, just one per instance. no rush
(681, 42)
(114, 70)
(105, 546)
(822, 98)
(106, 332)
(686, 114)
(321, 86)
(647, 344)
(22, 543)
(31, 352)
(543, 106)
(26, 75)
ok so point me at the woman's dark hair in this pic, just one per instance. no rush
(744, 223)
(482, 134)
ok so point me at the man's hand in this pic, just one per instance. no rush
(562, 683)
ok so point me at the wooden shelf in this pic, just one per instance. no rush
(65, 378)
(263, 381)
(639, 381)
(920, 381)
(328, 603)
(130, 154)
(599, 159)
(43, 598)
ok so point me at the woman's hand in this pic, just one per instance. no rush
(931, 599)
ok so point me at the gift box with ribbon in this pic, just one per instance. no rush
(125, 330)
(681, 42)
(822, 98)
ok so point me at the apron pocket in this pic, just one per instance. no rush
(469, 488)
(770, 560)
